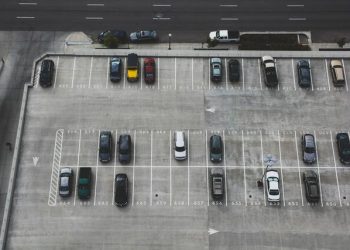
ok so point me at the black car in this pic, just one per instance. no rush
(124, 148)
(46, 73)
(343, 147)
(121, 190)
(312, 189)
(233, 70)
(304, 74)
(143, 36)
(309, 148)
(118, 34)
(215, 148)
(217, 183)
(115, 69)
(105, 147)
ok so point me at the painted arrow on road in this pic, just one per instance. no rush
(35, 160)
(212, 231)
(212, 110)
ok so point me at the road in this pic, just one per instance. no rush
(186, 20)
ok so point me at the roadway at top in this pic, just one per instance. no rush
(187, 20)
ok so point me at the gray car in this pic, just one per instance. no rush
(216, 148)
(143, 36)
(309, 148)
(216, 69)
(217, 183)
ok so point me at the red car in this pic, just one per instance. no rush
(149, 70)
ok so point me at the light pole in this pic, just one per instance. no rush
(169, 41)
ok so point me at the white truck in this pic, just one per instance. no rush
(224, 36)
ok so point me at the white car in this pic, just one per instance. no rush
(180, 146)
(272, 185)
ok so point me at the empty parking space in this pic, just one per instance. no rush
(82, 72)
(104, 182)
(285, 74)
(200, 74)
(99, 74)
(252, 74)
(320, 74)
(293, 195)
(324, 149)
(330, 191)
(233, 148)
(167, 73)
(344, 186)
(184, 71)
(65, 70)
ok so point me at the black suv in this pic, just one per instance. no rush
(121, 190)
(309, 148)
(46, 73)
(215, 148)
(343, 147)
(312, 189)
(234, 70)
(105, 147)
(124, 148)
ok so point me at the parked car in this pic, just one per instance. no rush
(217, 183)
(121, 190)
(180, 146)
(309, 148)
(105, 146)
(272, 185)
(337, 72)
(233, 70)
(312, 189)
(47, 70)
(66, 180)
(118, 34)
(143, 36)
(224, 36)
(84, 183)
(133, 67)
(343, 147)
(216, 148)
(269, 71)
(304, 74)
(149, 70)
(115, 69)
(215, 69)
(124, 148)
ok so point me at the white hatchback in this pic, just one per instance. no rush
(180, 146)
(272, 185)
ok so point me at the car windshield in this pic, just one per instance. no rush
(305, 73)
(274, 192)
(216, 150)
(104, 144)
(115, 67)
(180, 149)
(309, 150)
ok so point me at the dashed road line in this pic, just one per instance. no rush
(297, 19)
(326, 68)
(25, 17)
(95, 4)
(229, 19)
(295, 5)
(229, 5)
(33, 3)
(93, 18)
(161, 5)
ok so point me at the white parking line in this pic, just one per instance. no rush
(57, 63)
(97, 158)
(125, 70)
(25, 17)
(335, 168)
(296, 150)
(78, 164)
(73, 72)
(95, 4)
(262, 162)
(260, 74)
(141, 75)
(107, 72)
(242, 68)
(318, 169)
(188, 166)
(312, 84)
(175, 73)
(346, 82)
(280, 151)
(245, 181)
(192, 74)
(209, 73)
(278, 85)
(133, 171)
(226, 74)
(206, 157)
(158, 74)
(91, 62)
(326, 68)
(151, 191)
(223, 137)
(115, 161)
(295, 88)
(170, 184)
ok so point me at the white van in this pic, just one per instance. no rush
(180, 146)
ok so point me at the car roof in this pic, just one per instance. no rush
(309, 140)
(310, 173)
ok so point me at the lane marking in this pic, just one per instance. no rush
(125, 70)
(158, 74)
(91, 62)
(318, 169)
(57, 63)
(296, 150)
(229, 5)
(192, 74)
(78, 164)
(229, 19)
(25, 17)
(242, 69)
(97, 158)
(295, 88)
(107, 73)
(223, 135)
(326, 68)
(262, 163)
(312, 83)
(278, 85)
(28, 3)
(133, 171)
(175, 74)
(297, 19)
(95, 4)
(226, 73)
(245, 181)
(188, 167)
(93, 18)
(280, 151)
(161, 5)
(295, 5)
(335, 168)
(206, 156)
(346, 82)
(209, 73)
(151, 168)
(73, 73)
(170, 184)
(115, 163)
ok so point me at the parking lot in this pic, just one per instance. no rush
(170, 202)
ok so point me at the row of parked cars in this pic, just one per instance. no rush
(217, 177)
(134, 37)
(270, 71)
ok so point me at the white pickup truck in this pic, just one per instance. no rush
(224, 36)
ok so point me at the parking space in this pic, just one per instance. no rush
(252, 74)
(320, 74)
(167, 73)
(184, 74)
(285, 71)
(65, 68)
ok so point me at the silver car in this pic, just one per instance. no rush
(66, 179)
